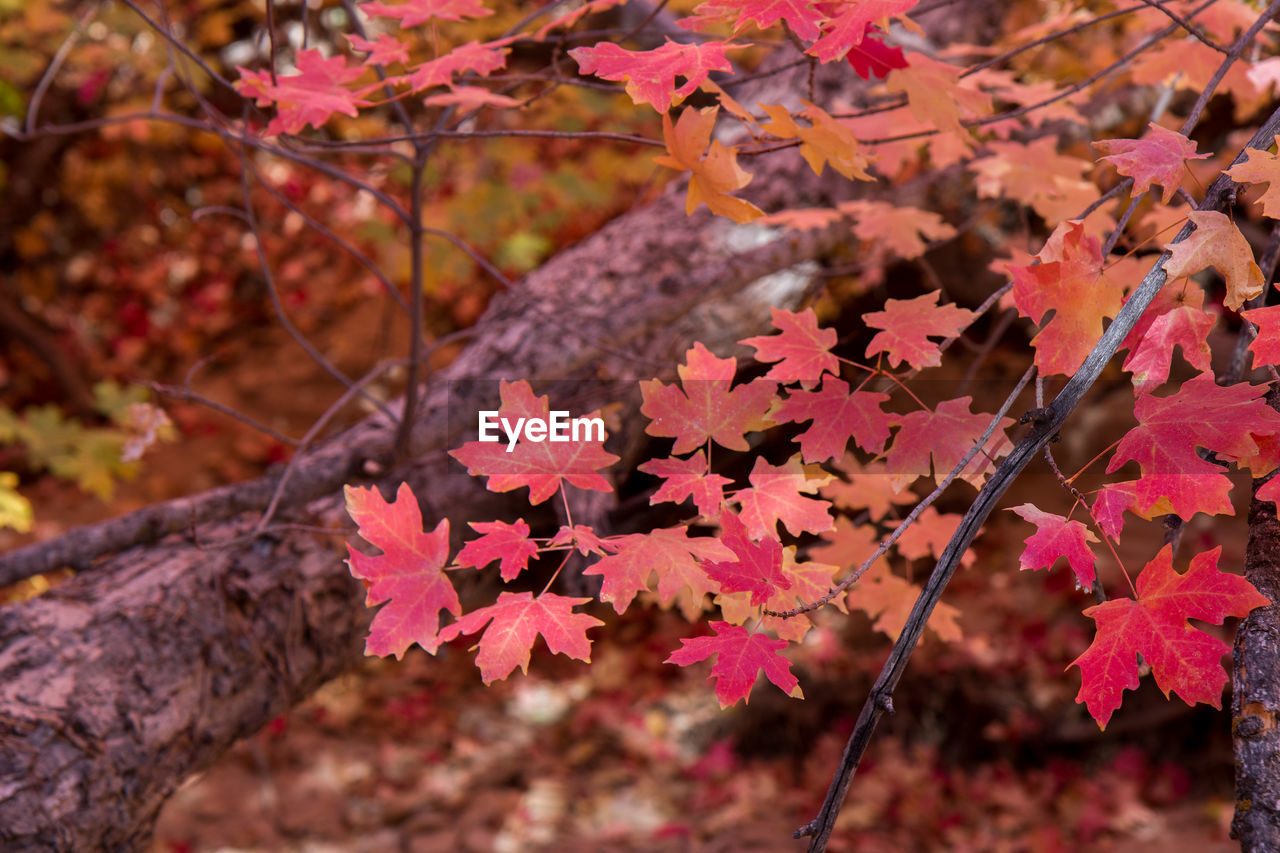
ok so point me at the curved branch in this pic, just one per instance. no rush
(881, 696)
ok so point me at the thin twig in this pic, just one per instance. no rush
(59, 57)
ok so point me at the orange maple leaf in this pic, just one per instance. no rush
(887, 600)
(1035, 173)
(824, 141)
(869, 488)
(901, 230)
(1068, 281)
(715, 175)
(1261, 167)
(936, 95)
(1217, 242)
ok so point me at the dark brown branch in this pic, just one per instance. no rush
(1006, 472)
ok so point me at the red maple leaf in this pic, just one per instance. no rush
(386, 50)
(1056, 537)
(850, 25)
(309, 97)
(1266, 346)
(1160, 157)
(946, 434)
(540, 465)
(1176, 317)
(686, 478)
(799, 15)
(1069, 282)
(777, 493)
(707, 408)
(475, 57)
(583, 538)
(651, 74)
(417, 12)
(837, 416)
(740, 655)
(670, 554)
(809, 581)
(509, 543)
(517, 619)
(1109, 506)
(409, 574)
(758, 567)
(1199, 414)
(803, 350)
(1182, 658)
(873, 58)
(909, 323)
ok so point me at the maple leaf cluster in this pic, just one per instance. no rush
(754, 579)
(744, 569)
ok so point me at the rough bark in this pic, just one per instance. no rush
(1255, 695)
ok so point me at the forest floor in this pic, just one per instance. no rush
(629, 755)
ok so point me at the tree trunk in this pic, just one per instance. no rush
(1255, 695)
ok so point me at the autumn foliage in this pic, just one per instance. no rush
(1072, 289)
(798, 471)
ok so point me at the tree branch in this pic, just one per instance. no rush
(881, 696)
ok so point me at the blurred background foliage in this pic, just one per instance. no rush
(124, 257)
